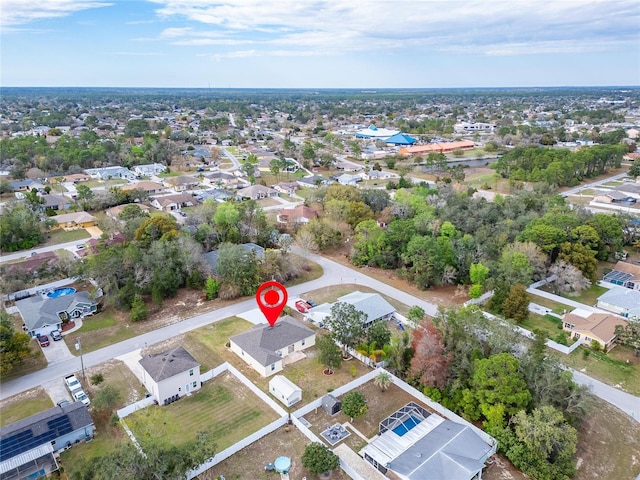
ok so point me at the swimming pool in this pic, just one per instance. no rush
(58, 292)
(406, 425)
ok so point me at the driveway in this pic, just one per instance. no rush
(57, 390)
(57, 352)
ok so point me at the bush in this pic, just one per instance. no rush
(229, 291)
(319, 459)
(354, 404)
(97, 379)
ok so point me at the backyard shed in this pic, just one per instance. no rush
(331, 404)
(285, 390)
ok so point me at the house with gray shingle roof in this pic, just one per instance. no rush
(373, 305)
(27, 446)
(621, 300)
(170, 375)
(268, 349)
(42, 314)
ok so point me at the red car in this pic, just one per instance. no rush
(302, 306)
(44, 340)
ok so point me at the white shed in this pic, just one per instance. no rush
(285, 390)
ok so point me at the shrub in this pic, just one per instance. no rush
(97, 379)
(319, 459)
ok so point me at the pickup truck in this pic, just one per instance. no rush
(72, 382)
(80, 396)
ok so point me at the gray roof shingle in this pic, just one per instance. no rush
(161, 366)
(262, 341)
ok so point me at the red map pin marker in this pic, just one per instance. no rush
(271, 298)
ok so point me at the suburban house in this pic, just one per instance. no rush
(222, 179)
(371, 304)
(170, 203)
(181, 183)
(108, 173)
(587, 327)
(212, 257)
(74, 221)
(257, 192)
(312, 182)
(28, 446)
(268, 349)
(348, 179)
(170, 375)
(74, 178)
(621, 300)
(145, 185)
(216, 194)
(288, 188)
(113, 212)
(624, 274)
(613, 197)
(416, 444)
(42, 314)
(285, 390)
(299, 214)
(148, 170)
(33, 263)
(26, 185)
(55, 202)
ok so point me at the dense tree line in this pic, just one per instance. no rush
(558, 166)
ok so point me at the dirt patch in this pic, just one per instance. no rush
(118, 375)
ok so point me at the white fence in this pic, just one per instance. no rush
(134, 407)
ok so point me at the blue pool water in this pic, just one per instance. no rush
(407, 425)
(58, 292)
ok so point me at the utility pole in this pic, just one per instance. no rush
(79, 348)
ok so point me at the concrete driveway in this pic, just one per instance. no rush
(56, 351)
(57, 390)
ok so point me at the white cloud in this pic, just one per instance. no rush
(135, 54)
(20, 12)
(496, 27)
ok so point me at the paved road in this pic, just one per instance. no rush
(334, 274)
(577, 190)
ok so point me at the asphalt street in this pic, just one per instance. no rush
(334, 274)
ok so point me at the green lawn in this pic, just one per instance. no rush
(97, 322)
(555, 307)
(64, 236)
(35, 402)
(611, 368)
(547, 323)
(223, 406)
(588, 296)
(110, 332)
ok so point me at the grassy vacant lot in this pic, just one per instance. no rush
(619, 367)
(118, 375)
(224, 407)
(24, 405)
(64, 236)
(588, 296)
(105, 328)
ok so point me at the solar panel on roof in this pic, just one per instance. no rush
(615, 276)
(24, 441)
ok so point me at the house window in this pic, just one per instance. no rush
(302, 343)
(179, 389)
(195, 384)
(191, 372)
(273, 367)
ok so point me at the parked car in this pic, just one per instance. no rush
(44, 340)
(302, 306)
(182, 214)
(80, 396)
(56, 335)
(312, 303)
(72, 382)
(62, 403)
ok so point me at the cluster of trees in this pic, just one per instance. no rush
(558, 166)
(14, 346)
(483, 370)
(21, 227)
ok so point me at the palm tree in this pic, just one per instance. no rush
(382, 380)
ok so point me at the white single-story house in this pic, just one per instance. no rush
(257, 192)
(416, 444)
(170, 203)
(285, 390)
(42, 314)
(348, 179)
(170, 375)
(267, 349)
(371, 304)
(149, 170)
(29, 446)
(621, 300)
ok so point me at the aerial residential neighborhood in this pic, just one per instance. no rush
(419, 262)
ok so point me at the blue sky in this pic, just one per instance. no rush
(319, 43)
